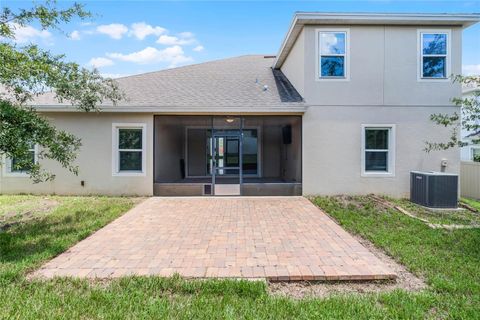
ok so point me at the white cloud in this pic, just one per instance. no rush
(198, 48)
(114, 30)
(27, 33)
(172, 40)
(174, 55)
(75, 35)
(100, 62)
(168, 40)
(140, 30)
(471, 69)
(114, 75)
(184, 38)
(186, 35)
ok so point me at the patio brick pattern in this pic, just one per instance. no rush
(278, 238)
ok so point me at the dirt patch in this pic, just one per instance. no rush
(349, 201)
(405, 280)
(28, 210)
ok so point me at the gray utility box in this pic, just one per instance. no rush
(434, 189)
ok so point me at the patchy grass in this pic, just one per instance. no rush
(448, 259)
(32, 232)
(18, 209)
(445, 217)
(6, 201)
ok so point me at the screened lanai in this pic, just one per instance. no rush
(227, 155)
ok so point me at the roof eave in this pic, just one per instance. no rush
(301, 19)
(291, 108)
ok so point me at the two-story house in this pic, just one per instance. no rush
(343, 108)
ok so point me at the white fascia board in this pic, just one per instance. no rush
(180, 109)
(464, 20)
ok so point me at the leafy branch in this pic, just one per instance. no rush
(468, 119)
(29, 71)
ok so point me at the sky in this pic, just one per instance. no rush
(131, 37)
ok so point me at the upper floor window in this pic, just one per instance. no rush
(333, 54)
(475, 156)
(129, 149)
(434, 54)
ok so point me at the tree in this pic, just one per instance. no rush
(28, 71)
(468, 119)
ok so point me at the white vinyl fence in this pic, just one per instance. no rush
(470, 179)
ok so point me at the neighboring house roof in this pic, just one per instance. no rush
(474, 134)
(245, 83)
(301, 19)
(468, 90)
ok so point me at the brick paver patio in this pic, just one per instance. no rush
(278, 238)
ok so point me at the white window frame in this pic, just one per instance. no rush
(318, 72)
(116, 151)
(390, 150)
(420, 55)
(7, 168)
(472, 152)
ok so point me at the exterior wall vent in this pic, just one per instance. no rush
(434, 189)
(207, 189)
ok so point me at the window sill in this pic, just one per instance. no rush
(378, 174)
(333, 79)
(434, 79)
(129, 174)
(16, 175)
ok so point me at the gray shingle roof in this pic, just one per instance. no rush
(474, 134)
(234, 82)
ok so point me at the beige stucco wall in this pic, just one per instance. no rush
(331, 152)
(382, 88)
(294, 65)
(94, 159)
(332, 148)
(383, 69)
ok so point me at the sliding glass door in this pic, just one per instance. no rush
(225, 155)
(228, 152)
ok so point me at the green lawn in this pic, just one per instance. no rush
(450, 261)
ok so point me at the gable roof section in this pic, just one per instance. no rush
(301, 19)
(245, 83)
